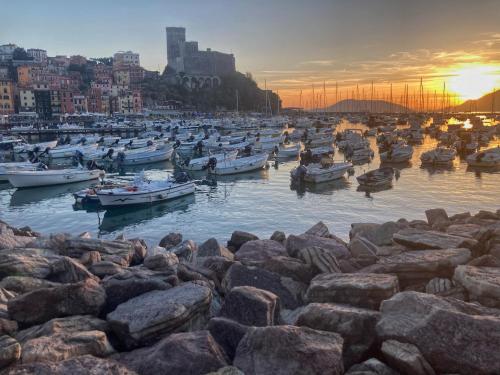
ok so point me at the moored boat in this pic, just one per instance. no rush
(317, 173)
(44, 177)
(487, 158)
(439, 156)
(241, 165)
(377, 177)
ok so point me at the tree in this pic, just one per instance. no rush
(21, 54)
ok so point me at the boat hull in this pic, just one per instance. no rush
(233, 167)
(24, 179)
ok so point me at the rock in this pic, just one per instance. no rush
(453, 336)
(10, 351)
(105, 268)
(288, 290)
(6, 295)
(150, 316)
(420, 266)
(185, 251)
(425, 239)
(460, 217)
(140, 251)
(335, 247)
(212, 248)
(473, 231)
(438, 286)
(25, 284)
(251, 306)
(23, 263)
(8, 327)
(321, 260)
(238, 238)
(279, 237)
(378, 234)
(286, 266)
(419, 224)
(406, 358)
(371, 366)
(90, 258)
(41, 305)
(219, 265)
(436, 216)
(86, 235)
(360, 247)
(66, 270)
(124, 287)
(80, 365)
(319, 229)
(487, 215)
(66, 325)
(162, 262)
(193, 272)
(9, 240)
(289, 350)
(63, 346)
(487, 260)
(227, 333)
(259, 250)
(227, 370)
(171, 240)
(482, 283)
(359, 289)
(355, 325)
(192, 353)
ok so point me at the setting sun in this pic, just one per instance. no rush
(473, 81)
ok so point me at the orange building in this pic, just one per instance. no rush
(25, 76)
(6, 97)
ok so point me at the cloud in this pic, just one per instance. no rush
(318, 62)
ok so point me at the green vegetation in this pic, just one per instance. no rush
(167, 87)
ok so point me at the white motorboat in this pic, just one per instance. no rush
(145, 155)
(325, 150)
(5, 168)
(34, 178)
(376, 178)
(317, 173)
(439, 156)
(24, 148)
(143, 191)
(199, 164)
(288, 151)
(399, 153)
(488, 158)
(241, 165)
(68, 151)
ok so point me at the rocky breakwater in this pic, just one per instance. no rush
(403, 297)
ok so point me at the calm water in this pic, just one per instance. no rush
(261, 202)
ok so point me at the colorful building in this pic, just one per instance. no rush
(7, 103)
(27, 100)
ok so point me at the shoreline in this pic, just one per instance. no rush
(383, 301)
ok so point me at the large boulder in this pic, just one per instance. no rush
(356, 289)
(319, 229)
(286, 266)
(25, 284)
(211, 247)
(166, 262)
(426, 239)
(482, 283)
(320, 260)
(171, 240)
(289, 350)
(185, 251)
(251, 306)
(238, 238)
(190, 353)
(67, 270)
(10, 351)
(355, 325)
(437, 217)
(41, 305)
(289, 291)
(150, 316)
(9, 240)
(227, 333)
(421, 265)
(378, 234)
(105, 268)
(406, 358)
(24, 263)
(334, 246)
(371, 366)
(453, 336)
(86, 364)
(259, 250)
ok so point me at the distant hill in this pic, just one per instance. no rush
(483, 104)
(353, 105)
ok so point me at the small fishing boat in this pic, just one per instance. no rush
(145, 155)
(44, 177)
(144, 191)
(439, 156)
(5, 168)
(317, 173)
(287, 151)
(35, 147)
(398, 153)
(200, 164)
(68, 151)
(488, 158)
(241, 165)
(89, 196)
(378, 177)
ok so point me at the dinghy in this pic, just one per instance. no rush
(488, 158)
(378, 177)
(145, 155)
(317, 173)
(241, 165)
(5, 168)
(200, 164)
(439, 156)
(287, 151)
(398, 153)
(34, 178)
(144, 191)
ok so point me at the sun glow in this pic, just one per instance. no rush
(472, 81)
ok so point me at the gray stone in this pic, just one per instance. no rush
(251, 306)
(482, 283)
(8, 327)
(171, 240)
(336, 248)
(238, 238)
(23, 263)
(284, 350)
(371, 366)
(227, 333)
(150, 316)
(163, 262)
(406, 358)
(453, 336)
(192, 353)
(360, 247)
(358, 289)
(105, 268)
(378, 234)
(321, 260)
(286, 266)
(10, 351)
(259, 250)
(279, 237)
(25, 284)
(425, 239)
(227, 370)
(319, 229)
(67, 270)
(185, 251)
(41, 305)
(9, 240)
(211, 247)
(355, 325)
(219, 265)
(437, 216)
(90, 258)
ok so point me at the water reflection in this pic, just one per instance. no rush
(324, 188)
(23, 197)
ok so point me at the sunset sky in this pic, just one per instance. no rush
(290, 44)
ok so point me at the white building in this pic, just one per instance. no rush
(39, 55)
(6, 51)
(126, 58)
(27, 100)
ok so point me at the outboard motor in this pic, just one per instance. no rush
(78, 157)
(177, 144)
(199, 147)
(247, 150)
(149, 143)
(299, 173)
(109, 154)
(101, 140)
(212, 163)
(32, 157)
(181, 177)
(120, 157)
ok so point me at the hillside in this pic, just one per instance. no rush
(483, 104)
(353, 105)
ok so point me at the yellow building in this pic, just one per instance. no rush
(6, 97)
(24, 75)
